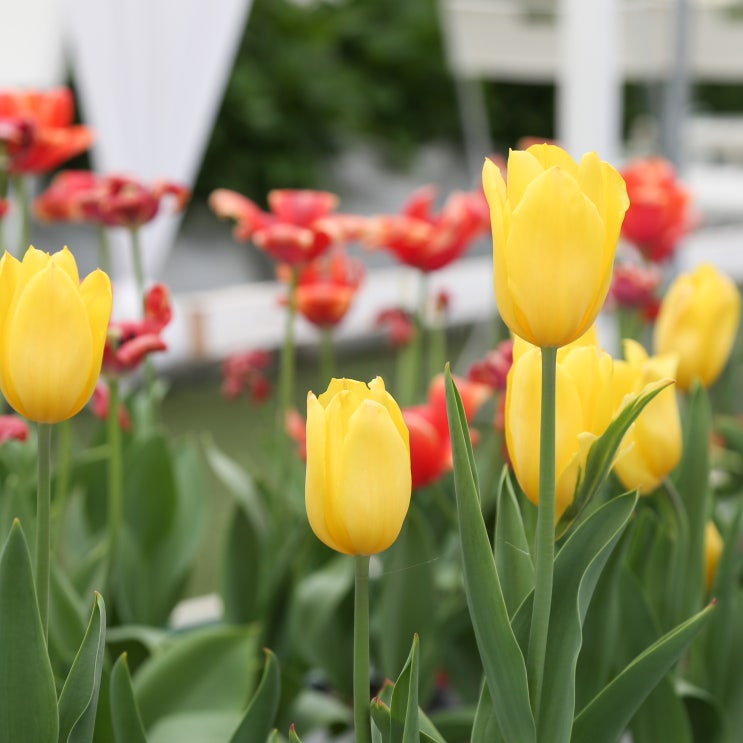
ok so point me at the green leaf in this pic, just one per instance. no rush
(601, 457)
(319, 626)
(259, 718)
(404, 707)
(200, 725)
(485, 727)
(209, 669)
(512, 556)
(406, 598)
(240, 587)
(293, 737)
(608, 714)
(237, 482)
(692, 482)
(28, 698)
(67, 622)
(662, 714)
(578, 566)
(78, 701)
(501, 655)
(381, 720)
(125, 718)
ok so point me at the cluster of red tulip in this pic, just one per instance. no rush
(37, 135)
(307, 238)
(659, 216)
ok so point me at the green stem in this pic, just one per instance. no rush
(437, 345)
(411, 355)
(286, 366)
(676, 577)
(21, 190)
(115, 479)
(43, 539)
(62, 485)
(104, 259)
(361, 717)
(327, 357)
(137, 263)
(545, 532)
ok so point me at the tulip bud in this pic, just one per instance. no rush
(652, 446)
(358, 482)
(698, 320)
(583, 413)
(712, 551)
(52, 334)
(555, 230)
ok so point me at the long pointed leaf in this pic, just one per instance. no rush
(78, 701)
(578, 566)
(125, 718)
(512, 557)
(28, 698)
(404, 706)
(601, 456)
(608, 714)
(501, 655)
(258, 721)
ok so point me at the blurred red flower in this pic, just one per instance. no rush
(430, 447)
(114, 200)
(129, 342)
(299, 226)
(246, 371)
(326, 287)
(12, 427)
(492, 369)
(634, 286)
(37, 129)
(659, 213)
(425, 240)
(99, 405)
(398, 324)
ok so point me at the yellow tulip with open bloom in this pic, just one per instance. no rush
(584, 410)
(652, 446)
(713, 545)
(358, 481)
(52, 333)
(555, 228)
(698, 320)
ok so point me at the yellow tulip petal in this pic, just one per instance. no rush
(380, 395)
(553, 255)
(374, 480)
(316, 482)
(96, 294)
(523, 168)
(48, 348)
(550, 156)
(65, 260)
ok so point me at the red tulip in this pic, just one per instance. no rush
(13, 427)
(659, 213)
(300, 226)
(48, 116)
(326, 288)
(419, 238)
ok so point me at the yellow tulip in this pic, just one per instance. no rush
(555, 229)
(712, 551)
(698, 320)
(652, 446)
(52, 333)
(583, 412)
(358, 482)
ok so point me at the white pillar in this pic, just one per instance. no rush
(589, 87)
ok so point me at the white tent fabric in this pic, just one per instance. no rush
(150, 76)
(31, 50)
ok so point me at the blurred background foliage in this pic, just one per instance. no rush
(313, 78)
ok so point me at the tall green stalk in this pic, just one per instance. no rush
(327, 357)
(20, 188)
(43, 521)
(137, 263)
(361, 716)
(286, 364)
(115, 479)
(545, 532)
